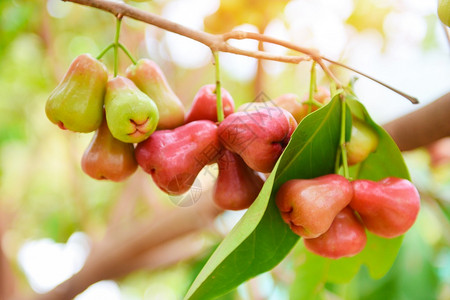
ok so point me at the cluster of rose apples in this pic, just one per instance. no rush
(125, 110)
(322, 211)
(173, 147)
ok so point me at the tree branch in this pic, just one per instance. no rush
(422, 126)
(215, 42)
(185, 247)
(106, 259)
(219, 42)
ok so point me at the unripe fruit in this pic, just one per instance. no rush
(131, 115)
(389, 207)
(259, 137)
(150, 79)
(309, 206)
(107, 157)
(444, 11)
(77, 102)
(346, 237)
(363, 141)
(175, 157)
(204, 105)
(237, 185)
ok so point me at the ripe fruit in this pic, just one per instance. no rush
(363, 141)
(131, 115)
(77, 102)
(256, 106)
(389, 207)
(444, 11)
(289, 102)
(108, 158)
(237, 185)
(345, 238)
(204, 105)
(259, 137)
(309, 206)
(149, 78)
(175, 157)
(439, 152)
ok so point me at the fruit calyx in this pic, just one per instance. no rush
(61, 125)
(140, 128)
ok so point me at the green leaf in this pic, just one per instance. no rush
(310, 275)
(342, 270)
(261, 239)
(379, 254)
(413, 276)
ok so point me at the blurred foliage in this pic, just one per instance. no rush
(232, 13)
(369, 14)
(45, 194)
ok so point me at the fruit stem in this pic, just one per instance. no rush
(333, 89)
(313, 102)
(337, 162)
(116, 45)
(312, 87)
(218, 91)
(105, 50)
(122, 46)
(342, 141)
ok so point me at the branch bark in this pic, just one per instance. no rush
(423, 126)
(107, 259)
(185, 247)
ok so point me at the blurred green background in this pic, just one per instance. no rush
(45, 198)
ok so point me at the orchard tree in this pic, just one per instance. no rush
(324, 185)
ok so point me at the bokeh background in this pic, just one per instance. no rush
(51, 213)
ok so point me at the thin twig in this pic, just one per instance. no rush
(410, 98)
(218, 91)
(240, 35)
(312, 53)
